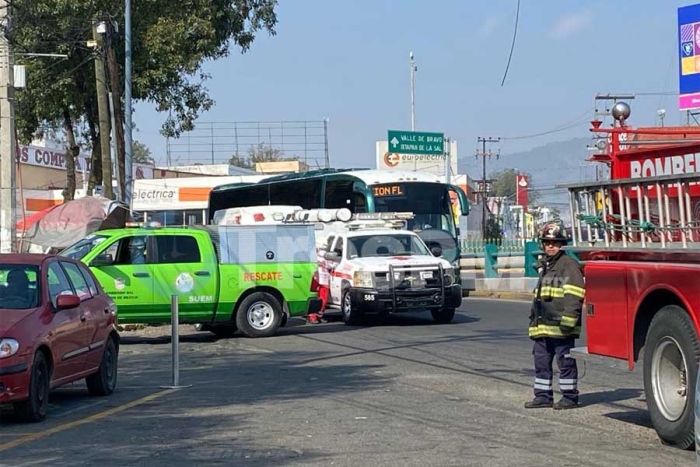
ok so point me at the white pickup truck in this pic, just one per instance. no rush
(377, 267)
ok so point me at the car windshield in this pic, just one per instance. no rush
(367, 246)
(81, 248)
(19, 289)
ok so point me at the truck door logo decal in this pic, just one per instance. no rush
(184, 283)
(119, 283)
(270, 255)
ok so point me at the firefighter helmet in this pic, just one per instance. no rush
(554, 231)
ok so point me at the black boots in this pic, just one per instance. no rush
(538, 403)
(542, 403)
(565, 403)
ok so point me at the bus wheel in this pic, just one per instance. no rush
(670, 372)
(259, 315)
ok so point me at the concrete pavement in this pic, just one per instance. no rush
(398, 392)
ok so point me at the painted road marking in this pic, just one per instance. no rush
(91, 418)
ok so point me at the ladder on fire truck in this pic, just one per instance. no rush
(655, 213)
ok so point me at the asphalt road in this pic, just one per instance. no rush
(398, 392)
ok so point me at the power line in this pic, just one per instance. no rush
(579, 120)
(512, 46)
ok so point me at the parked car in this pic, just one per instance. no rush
(57, 326)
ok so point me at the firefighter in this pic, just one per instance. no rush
(555, 320)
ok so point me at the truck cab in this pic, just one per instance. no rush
(376, 266)
(227, 278)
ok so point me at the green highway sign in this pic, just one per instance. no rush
(416, 142)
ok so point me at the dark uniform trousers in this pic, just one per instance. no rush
(544, 351)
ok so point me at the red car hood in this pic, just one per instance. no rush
(8, 318)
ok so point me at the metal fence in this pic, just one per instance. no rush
(217, 142)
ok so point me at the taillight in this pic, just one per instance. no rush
(315, 285)
(258, 217)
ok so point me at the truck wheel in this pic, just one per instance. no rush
(443, 316)
(670, 370)
(351, 315)
(36, 407)
(259, 315)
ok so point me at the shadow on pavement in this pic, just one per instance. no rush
(209, 422)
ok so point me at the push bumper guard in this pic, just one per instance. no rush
(409, 288)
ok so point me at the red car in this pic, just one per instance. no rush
(57, 326)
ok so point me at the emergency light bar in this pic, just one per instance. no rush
(366, 225)
(143, 225)
(384, 216)
(320, 215)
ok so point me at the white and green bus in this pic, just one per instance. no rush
(436, 205)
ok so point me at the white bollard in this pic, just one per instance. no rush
(175, 338)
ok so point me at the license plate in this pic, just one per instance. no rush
(426, 274)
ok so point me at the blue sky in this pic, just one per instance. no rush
(348, 61)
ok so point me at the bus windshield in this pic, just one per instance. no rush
(429, 202)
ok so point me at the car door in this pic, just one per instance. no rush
(93, 310)
(182, 269)
(337, 276)
(69, 328)
(129, 278)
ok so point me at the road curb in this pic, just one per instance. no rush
(502, 294)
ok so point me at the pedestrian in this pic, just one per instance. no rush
(323, 285)
(555, 320)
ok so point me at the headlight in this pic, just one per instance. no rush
(8, 347)
(449, 276)
(362, 279)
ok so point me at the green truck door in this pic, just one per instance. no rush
(129, 279)
(185, 265)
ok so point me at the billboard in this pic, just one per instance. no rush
(429, 163)
(689, 57)
(521, 190)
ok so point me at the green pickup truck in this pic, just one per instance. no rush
(227, 278)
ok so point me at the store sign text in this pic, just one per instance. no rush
(672, 165)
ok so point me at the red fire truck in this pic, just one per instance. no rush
(638, 235)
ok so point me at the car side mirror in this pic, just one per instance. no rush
(102, 260)
(436, 251)
(66, 302)
(332, 256)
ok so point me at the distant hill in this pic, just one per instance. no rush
(549, 165)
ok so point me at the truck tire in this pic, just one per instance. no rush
(443, 315)
(351, 315)
(670, 371)
(259, 315)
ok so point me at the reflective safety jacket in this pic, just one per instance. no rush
(556, 309)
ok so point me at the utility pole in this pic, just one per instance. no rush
(484, 187)
(414, 68)
(8, 156)
(102, 108)
(128, 141)
(116, 104)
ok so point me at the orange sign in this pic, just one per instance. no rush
(388, 190)
(262, 276)
(391, 159)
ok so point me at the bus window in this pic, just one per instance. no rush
(304, 193)
(339, 194)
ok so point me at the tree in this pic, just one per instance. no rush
(259, 153)
(171, 40)
(141, 154)
(505, 185)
